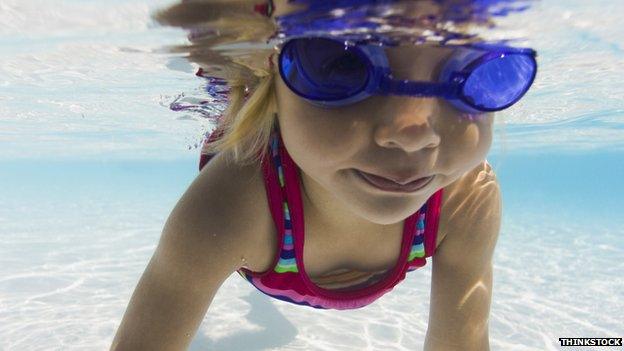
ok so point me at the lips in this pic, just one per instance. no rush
(390, 185)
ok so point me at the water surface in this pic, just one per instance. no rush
(92, 160)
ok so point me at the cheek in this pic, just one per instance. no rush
(467, 127)
(467, 143)
(304, 130)
(294, 118)
(484, 127)
(480, 139)
(314, 134)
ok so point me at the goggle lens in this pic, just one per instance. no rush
(500, 82)
(323, 69)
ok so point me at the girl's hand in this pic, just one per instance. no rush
(461, 286)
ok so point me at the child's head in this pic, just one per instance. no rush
(398, 137)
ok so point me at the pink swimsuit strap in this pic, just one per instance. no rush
(287, 279)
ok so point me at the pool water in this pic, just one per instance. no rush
(92, 160)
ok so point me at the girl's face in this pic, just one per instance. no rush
(392, 136)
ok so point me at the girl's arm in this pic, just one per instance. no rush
(461, 287)
(202, 243)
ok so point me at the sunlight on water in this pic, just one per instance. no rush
(99, 128)
(576, 101)
(95, 76)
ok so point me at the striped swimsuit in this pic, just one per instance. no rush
(287, 279)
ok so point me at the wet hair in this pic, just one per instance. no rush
(247, 122)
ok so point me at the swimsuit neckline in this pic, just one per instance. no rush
(293, 194)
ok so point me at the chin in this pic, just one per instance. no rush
(388, 211)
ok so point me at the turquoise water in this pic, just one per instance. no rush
(92, 162)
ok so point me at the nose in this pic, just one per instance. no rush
(408, 123)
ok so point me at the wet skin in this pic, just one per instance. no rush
(396, 135)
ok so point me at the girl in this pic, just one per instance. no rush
(344, 169)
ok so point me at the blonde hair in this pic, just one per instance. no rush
(247, 122)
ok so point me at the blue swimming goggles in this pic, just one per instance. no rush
(477, 78)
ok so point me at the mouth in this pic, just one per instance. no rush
(386, 184)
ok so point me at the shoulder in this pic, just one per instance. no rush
(227, 202)
(471, 210)
(209, 232)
